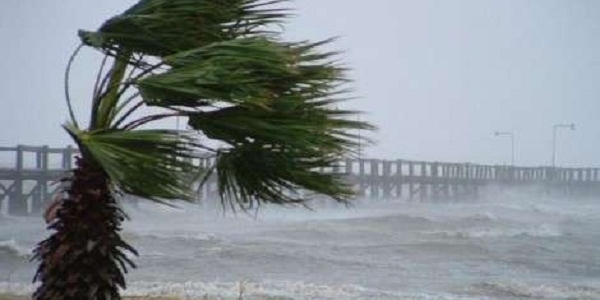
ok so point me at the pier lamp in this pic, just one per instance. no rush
(512, 144)
(555, 128)
(360, 143)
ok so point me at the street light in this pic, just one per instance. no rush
(555, 127)
(360, 142)
(512, 144)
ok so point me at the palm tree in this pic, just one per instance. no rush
(223, 66)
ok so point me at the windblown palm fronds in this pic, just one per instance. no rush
(223, 66)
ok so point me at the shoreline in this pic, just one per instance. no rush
(24, 297)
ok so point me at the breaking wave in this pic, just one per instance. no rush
(248, 290)
(544, 230)
(288, 290)
(12, 248)
(519, 290)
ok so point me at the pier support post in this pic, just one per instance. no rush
(17, 206)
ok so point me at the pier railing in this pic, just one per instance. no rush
(29, 174)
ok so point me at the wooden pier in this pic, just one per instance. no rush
(30, 182)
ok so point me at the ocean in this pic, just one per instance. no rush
(507, 246)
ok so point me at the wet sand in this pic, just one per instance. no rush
(13, 297)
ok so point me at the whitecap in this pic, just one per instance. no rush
(544, 230)
(508, 289)
(13, 248)
(190, 236)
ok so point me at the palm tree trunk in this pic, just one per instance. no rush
(84, 258)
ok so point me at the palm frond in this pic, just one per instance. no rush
(254, 173)
(153, 164)
(297, 126)
(164, 27)
(249, 72)
(276, 152)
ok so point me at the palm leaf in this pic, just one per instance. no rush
(300, 126)
(254, 173)
(249, 71)
(165, 27)
(153, 164)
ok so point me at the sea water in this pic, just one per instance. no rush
(501, 247)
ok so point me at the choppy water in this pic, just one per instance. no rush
(506, 248)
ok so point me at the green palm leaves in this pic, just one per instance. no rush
(254, 173)
(269, 105)
(153, 164)
(165, 27)
(220, 65)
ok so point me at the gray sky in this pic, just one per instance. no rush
(437, 77)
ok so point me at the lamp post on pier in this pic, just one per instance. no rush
(512, 144)
(360, 143)
(555, 128)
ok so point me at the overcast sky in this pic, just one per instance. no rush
(437, 77)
